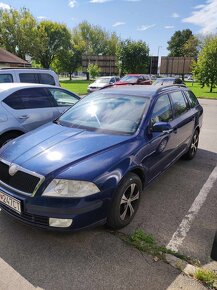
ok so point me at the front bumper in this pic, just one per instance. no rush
(84, 212)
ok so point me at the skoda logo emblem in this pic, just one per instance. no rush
(13, 169)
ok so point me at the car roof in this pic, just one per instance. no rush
(141, 90)
(8, 86)
(106, 77)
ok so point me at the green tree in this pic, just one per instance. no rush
(205, 70)
(133, 56)
(183, 43)
(68, 62)
(55, 40)
(93, 70)
(18, 32)
(94, 40)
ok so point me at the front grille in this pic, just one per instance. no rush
(26, 217)
(21, 180)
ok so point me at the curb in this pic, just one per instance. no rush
(181, 265)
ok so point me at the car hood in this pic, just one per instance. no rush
(97, 85)
(54, 147)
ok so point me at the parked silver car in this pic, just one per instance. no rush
(24, 107)
(102, 82)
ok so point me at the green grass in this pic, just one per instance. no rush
(76, 86)
(80, 87)
(209, 278)
(147, 243)
(202, 92)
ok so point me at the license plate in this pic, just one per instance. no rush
(10, 201)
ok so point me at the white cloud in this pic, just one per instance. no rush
(168, 26)
(204, 16)
(41, 17)
(4, 6)
(118, 23)
(72, 3)
(99, 1)
(175, 15)
(145, 27)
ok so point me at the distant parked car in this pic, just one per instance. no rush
(91, 165)
(29, 75)
(24, 107)
(135, 79)
(102, 82)
(167, 81)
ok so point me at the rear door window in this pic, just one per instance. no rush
(6, 78)
(179, 103)
(46, 79)
(30, 99)
(28, 78)
(192, 99)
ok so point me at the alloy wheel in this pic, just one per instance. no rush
(129, 202)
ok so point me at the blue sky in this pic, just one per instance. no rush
(153, 21)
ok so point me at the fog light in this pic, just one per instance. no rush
(60, 223)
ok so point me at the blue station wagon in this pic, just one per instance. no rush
(91, 165)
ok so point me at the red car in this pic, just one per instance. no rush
(135, 79)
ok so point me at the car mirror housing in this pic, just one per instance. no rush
(161, 126)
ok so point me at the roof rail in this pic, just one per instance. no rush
(29, 68)
(170, 86)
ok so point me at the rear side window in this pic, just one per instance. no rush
(192, 99)
(6, 78)
(28, 78)
(179, 103)
(29, 99)
(162, 111)
(46, 79)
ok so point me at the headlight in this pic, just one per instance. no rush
(70, 188)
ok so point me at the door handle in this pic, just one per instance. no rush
(23, 117)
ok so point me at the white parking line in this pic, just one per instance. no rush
(185, 225)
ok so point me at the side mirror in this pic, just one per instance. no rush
(111, 83)
(161, 127)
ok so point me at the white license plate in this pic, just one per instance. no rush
(10, 201)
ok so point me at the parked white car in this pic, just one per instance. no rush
(24, 107)
(102, 82)
(29, 75)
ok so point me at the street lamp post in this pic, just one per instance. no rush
(158, 60)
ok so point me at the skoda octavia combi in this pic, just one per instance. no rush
(91, 165)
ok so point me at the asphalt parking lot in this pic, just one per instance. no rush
(96, 259)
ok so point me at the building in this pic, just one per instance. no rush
(8, 59)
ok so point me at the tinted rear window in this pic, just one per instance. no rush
(28, 78)
(46, 79)
(6, 78)
(29, 99)
(192, 99)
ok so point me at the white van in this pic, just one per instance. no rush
(29, 75)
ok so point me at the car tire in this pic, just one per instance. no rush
(126, 202)
(5, 138)
(193, 147)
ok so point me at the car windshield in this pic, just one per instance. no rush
(130, 79)
(114, 113)
(102, 81)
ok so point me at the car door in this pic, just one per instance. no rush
(184, 120)
(62, 99)
(161, 145)
(32, 107)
